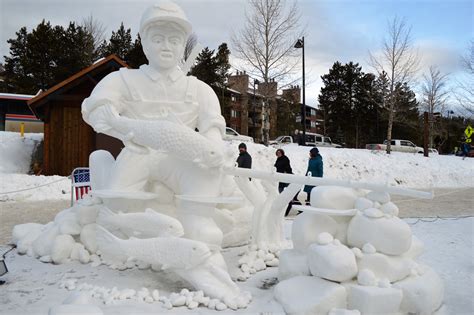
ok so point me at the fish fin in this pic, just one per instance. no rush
(105, 218)
(109, 245)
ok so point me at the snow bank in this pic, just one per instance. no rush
(15, 152)
(399, 169)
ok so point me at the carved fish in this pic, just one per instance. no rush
(140, 224)
(170, 252)
(167, 135)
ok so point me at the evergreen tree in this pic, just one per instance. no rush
(45, 57)
(212, 67)
(120, 44)
(136, 57)
(349, 101)
(407, 115)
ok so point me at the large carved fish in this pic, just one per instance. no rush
(140, 224)
(167, 135)
(170, 252)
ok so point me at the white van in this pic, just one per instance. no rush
(312, 139)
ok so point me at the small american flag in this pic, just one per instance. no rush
(80, 182)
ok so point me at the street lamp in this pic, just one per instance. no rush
(300, 44)
(255, 82)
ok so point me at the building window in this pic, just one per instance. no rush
(313, 124)
(234, 113)
(233, 98)
(313, 112)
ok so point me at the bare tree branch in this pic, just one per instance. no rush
(95, 28)
(399, 61)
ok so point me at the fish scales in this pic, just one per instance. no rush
(163, 135)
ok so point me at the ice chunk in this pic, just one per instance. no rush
(325, 238)
(369, 249)
(332, 262)
(307, 226)
(388, 235)
(394, 268)
(292, 263)
(373, 213)
(62, 247)
(366, 277)
(86, 214)
(374, 300)
(390, 208)
(309, 295)
(381, 197)
(29, 235)
(333, 197)
(67, 222)
(88, 237)
(21, 230)
(43, 244)
(362, 203)
(421, 294)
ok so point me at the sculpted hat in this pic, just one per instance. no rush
(165, 11)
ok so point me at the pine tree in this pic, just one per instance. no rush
(46, 56)
(136, 57)
(120, 44)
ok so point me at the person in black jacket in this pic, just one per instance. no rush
(282, 165)
(244, 160)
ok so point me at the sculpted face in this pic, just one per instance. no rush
(163, 46)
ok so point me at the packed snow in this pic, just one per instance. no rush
(33, 286)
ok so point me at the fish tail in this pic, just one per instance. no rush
(110, 245)
(104, 218)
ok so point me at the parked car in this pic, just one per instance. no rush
(312, 139)
(231, 134)
(396, 145)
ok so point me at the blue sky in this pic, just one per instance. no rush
(335, 30)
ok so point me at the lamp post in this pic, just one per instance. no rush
(255, 82)
(300, 44)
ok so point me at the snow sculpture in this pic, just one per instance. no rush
(156, 203)
(378, 272)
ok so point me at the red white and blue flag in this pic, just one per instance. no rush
(81, 182)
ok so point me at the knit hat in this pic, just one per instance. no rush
(314, 151)
(242, 145)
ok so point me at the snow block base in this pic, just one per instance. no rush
(309, 295)
(292, 264)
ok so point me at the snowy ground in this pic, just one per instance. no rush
(33, 286)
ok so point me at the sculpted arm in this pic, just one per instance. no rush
(106, 98)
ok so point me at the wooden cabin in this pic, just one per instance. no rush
(68, 140)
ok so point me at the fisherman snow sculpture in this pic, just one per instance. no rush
(155, 110)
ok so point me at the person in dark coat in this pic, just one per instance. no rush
(282, 165)
(315, 167)
(244, 160)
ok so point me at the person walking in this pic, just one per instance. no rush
(282, 165)
(315, 168)
(245, 159)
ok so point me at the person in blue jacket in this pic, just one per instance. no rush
(315, 168)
